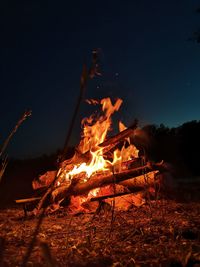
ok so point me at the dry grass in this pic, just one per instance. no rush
(167, 234)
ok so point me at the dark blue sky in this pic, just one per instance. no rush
(44, 44)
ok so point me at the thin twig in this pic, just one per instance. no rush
(3, 166)
(67, 235)
(25, 115)
(112, 212)
(27, 200)
(113, 204)
(110, 196)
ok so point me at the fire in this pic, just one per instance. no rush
(95, 130)
(99, 161)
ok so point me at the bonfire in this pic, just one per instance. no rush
(103, 168)
(108, 174)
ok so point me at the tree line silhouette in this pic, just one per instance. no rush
(179, 146)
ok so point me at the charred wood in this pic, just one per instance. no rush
(80, 188)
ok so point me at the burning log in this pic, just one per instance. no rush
(136, 179)
(111, 142)
(147, 179)
(107, 145)
(97, 181)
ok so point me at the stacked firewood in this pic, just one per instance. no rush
(131, 176)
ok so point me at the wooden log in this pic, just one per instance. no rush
(111, 142)
(147, 179)
(97, 181)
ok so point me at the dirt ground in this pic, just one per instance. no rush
(162, 232)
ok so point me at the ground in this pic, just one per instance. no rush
(163, 232)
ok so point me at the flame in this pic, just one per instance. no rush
(95, 130)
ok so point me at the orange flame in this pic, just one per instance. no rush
(95, 130)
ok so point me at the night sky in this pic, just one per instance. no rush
(146, 59)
